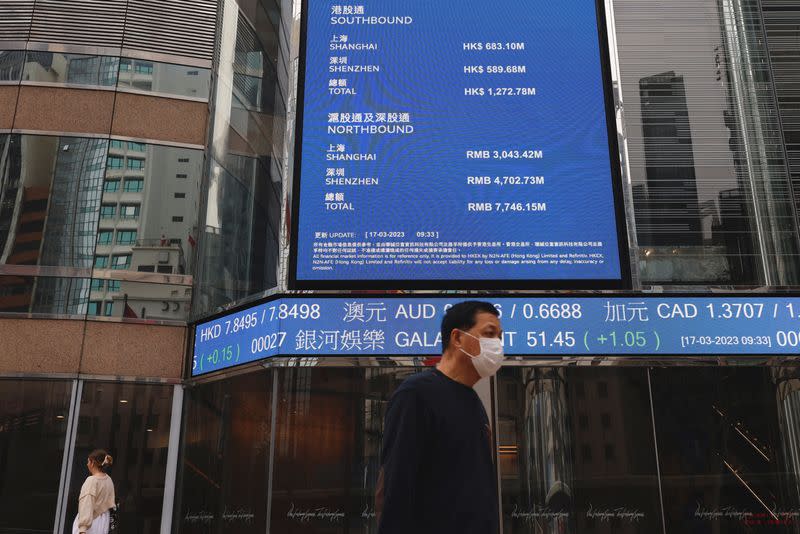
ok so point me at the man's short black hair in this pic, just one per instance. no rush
(462, 317)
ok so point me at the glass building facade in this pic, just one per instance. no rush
(145, 183)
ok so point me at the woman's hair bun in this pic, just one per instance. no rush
(101, 459)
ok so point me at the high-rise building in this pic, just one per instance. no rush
(781, 24)
(669, 156)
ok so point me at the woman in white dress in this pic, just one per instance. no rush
(97, 496)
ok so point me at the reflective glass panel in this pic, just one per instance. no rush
(71, 69)
(148, 190)
(247, 212)
(224, 466)
(164, 78)
(125, 299)
(33, 429)
(251, 108)
(576, 451)
(131, 422)
(50, 191)
(727, 448)
(43, 295)
(711, 191)
(328, 431)
(11, 62)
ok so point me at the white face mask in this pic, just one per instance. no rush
(491, 357)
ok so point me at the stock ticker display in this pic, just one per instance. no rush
(547, 326)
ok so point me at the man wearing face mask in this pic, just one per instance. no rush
(437, 472)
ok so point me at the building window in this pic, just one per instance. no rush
(146, 268)
(114, 162)
(136, 147)
(180, 195)
(107, 211)
(126, 237)
(113, 286)
(121, 261)
(117, 144)
(97, 285)
(183, 160)
(177, 219)
(108, 307)
(165, 269)
(129, 211)
(144, 68)
(136, 164)
(192, 73)
(100, 262)
(583, 421)
(602, 389)
(586, 453)
(125, 65)
(605, 420)
(104, 237)
(134, 185)
(94, 308)
(181, 176)
(111, 186)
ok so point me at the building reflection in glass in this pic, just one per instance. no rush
(328, 427)
(11, 62)
(164, 78)
(49, 206)
(576, 451)
(112, 208)
(710, 186)
(148, 224)
(70, 69)
(242, 195)
(722, 456)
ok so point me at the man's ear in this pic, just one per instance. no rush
(456, 335)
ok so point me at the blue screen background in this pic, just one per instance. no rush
(423, 185)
